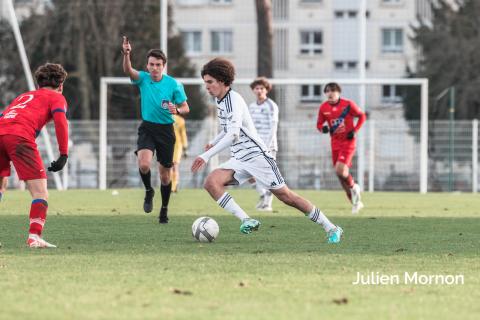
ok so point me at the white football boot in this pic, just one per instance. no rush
(356, 199)
(34, 241)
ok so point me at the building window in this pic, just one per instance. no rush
(280, 49)
(222, 41)
(221, 1)
(342, 14)
(191, 2)
(339, 65)
(392, 94)
(192, 42)
(392, 40)
(280, 9)
(352, 65)
(311, 93)
(345, 65)
(311, 42)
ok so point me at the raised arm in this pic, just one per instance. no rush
(127, 63)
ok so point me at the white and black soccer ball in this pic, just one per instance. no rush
(205, 229)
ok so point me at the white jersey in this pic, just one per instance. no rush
(237, 130)
(265, 119)
(233, 113)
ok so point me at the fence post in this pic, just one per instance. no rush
(475, 155)
(371, 160)
(102, 152)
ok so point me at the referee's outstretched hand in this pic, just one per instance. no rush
(58, 164)
(126, 47)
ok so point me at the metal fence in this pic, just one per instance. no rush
(304, 157)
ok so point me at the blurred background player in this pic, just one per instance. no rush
(249, 155)
(181, 145)
(3, 186)
(264, 114)
(339, 114)
(161, 97)
(20, 124)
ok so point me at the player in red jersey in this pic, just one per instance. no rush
(339, 113)
(20, 124)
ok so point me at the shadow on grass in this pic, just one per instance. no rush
(141, 234)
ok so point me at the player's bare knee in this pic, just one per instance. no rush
(209, 183)
(40, 195)
(341, 173)
(144, 166)
(165, 180)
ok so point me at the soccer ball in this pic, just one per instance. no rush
(205, 229)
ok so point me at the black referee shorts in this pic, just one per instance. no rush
(159, 138)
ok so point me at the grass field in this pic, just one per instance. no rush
(115, 262)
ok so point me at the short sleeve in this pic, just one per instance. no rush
(179, 95)
(141, 76)
(58, 104)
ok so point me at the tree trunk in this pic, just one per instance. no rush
(264, 38)
(82, 68)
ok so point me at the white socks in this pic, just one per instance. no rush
(317, 216)
(268, 198)
(226, 202)
(260, 189)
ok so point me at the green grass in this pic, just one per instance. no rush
(115, 262)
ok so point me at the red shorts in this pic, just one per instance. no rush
(343, 155)
(24, 155)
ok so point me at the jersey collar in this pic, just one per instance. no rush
(226, 94)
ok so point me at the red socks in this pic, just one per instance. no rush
(38, 214)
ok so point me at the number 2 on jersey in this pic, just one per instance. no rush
(21, 104)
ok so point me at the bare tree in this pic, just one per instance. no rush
(264, 38)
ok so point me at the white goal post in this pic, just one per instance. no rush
(422, 82)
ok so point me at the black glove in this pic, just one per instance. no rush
(58, 164)
(325, 129)
(351, 135)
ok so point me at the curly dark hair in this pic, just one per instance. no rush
(221, 69)
(50, 75)
(261, 81)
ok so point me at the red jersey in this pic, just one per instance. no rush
(339, 117)
(31, 111)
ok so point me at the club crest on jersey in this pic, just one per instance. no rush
(165, 104)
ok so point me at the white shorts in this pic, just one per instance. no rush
(263, 169)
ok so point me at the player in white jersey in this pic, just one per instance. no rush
(264, 114)
(250, 157)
